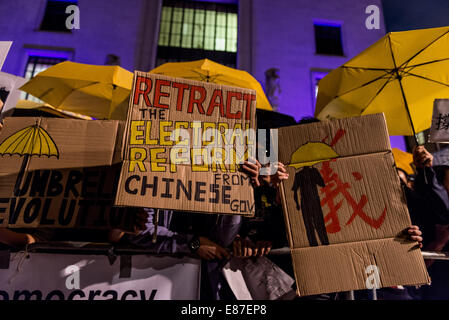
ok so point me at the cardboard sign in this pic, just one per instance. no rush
(4, 49)
(60, 173)
(345, 209)
(184, 141)
(439, 129)
(46, 276)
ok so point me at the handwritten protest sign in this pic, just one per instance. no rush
(184, 141)
(439, 129)
(60, 173)
(345, 209)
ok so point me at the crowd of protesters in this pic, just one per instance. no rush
(216, 238)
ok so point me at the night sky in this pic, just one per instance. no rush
(403, 15)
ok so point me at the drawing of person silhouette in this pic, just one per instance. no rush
(307, 181)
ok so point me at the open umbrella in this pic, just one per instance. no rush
(30, 141)
(97, 91)
(210, 71)
(23, 106)
(400, 75)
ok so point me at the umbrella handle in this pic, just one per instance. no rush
(25, 161)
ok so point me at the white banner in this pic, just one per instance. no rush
(44, 276)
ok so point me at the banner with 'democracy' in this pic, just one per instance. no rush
(184, 141)
(45, 276)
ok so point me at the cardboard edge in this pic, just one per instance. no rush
(289, 234)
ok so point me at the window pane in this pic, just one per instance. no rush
(175, 39)
(187, 35)
(166, 13)
(328, 39)
(209, 45)
(198, 41)
(221, 19)
(232, 20)
(210, 17)
(176, 28)
(220, 39)
(177, 15)
(163, 39)
(188, 15)
(199, 17)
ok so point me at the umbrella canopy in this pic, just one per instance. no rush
(400, 75)
(45, 107)
(209, 71)
(97, 91)
(404, 160)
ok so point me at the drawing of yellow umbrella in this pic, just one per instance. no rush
(30, 141)
(312, 153)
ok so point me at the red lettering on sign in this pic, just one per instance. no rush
(181, 88)
(198, 101)
(158, 93)
(238, 96)
(213, 103)
(142, 92)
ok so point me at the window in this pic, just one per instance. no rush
(35, 65)
(328, 39)
(55, 15)
(192, 30)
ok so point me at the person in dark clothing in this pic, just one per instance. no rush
(428, 204)
(206, 236)
(306, 180)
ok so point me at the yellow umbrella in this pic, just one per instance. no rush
(30, 141)
(98, 91)
(31, 105)
(404, 160)
(209, 71)
(400, 75)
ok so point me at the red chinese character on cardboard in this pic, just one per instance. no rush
(335, 187)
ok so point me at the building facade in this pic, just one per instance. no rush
(296, 41)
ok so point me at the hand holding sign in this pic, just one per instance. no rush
(421, 157)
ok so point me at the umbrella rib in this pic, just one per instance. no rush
(425, 63)
(420, 51)
(425, 78)
(391, 51)
(377, 93)
(364, 68)
(363, 85)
